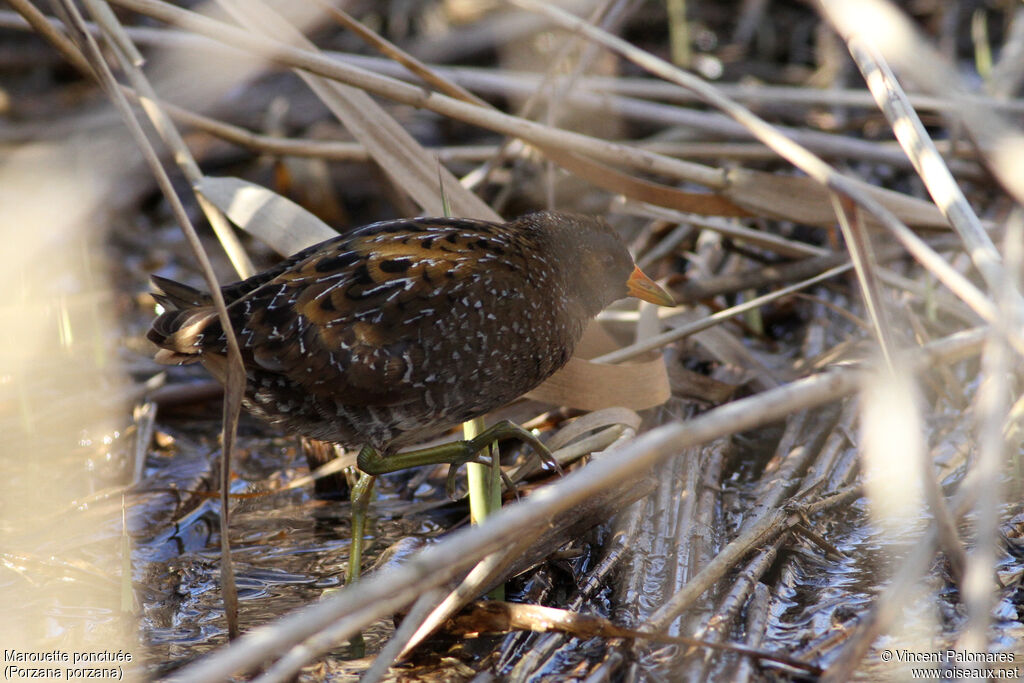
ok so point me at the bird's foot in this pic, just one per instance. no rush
(456, 453)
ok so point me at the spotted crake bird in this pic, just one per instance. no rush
(391, 332)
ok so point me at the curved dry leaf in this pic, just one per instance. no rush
(586, 385)
(803, 200)
(279, 222)
(608, 178)
(598, 419)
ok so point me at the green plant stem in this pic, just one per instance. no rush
(484, 486)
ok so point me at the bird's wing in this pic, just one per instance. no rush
(359, 318)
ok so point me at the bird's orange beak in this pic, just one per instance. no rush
(643, 287)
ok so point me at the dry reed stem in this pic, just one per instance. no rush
(659, 340)
(927, 161)
(765, 240)
(403, 634)
(858, 243)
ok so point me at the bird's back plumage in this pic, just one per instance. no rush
(397, 329)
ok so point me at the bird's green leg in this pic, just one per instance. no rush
(371, 464)
(360, 496)
(456, 453)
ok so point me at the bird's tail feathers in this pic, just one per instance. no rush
(179, 334)
(176, 296)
